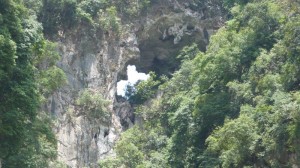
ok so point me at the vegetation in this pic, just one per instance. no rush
(26, 138)
(93, 104)
(142, 90)
(132, 8)
(61, 15)
(236, 105)
(49, 77)
(109, 21)
(28, 72)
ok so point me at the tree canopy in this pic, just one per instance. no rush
(236, 105)
(26, 138)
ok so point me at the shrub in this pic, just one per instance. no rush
(143, 90)
(93, 104)
(109, 21)
(132, 8)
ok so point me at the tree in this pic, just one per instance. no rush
(237, 104)
(143, 90)
(26, 139)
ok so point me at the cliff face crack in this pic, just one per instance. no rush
(61, 143)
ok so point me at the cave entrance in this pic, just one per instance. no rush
(160, 43)
(133, 76)
(159, 46)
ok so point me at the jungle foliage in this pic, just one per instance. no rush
(236, 105)
(27, 71)
(61, 15)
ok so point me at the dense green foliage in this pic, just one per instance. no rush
(26, 138)
(236, 105)
(142, 90)
(62, 15)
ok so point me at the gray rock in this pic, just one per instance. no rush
(95, 60)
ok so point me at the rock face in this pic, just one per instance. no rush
(95, 60)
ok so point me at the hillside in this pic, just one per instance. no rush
(223, 86)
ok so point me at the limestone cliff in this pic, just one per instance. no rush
(96, 60)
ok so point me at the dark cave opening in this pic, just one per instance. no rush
(160, 44)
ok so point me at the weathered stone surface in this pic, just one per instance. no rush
(96, 60)
(93, 63)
